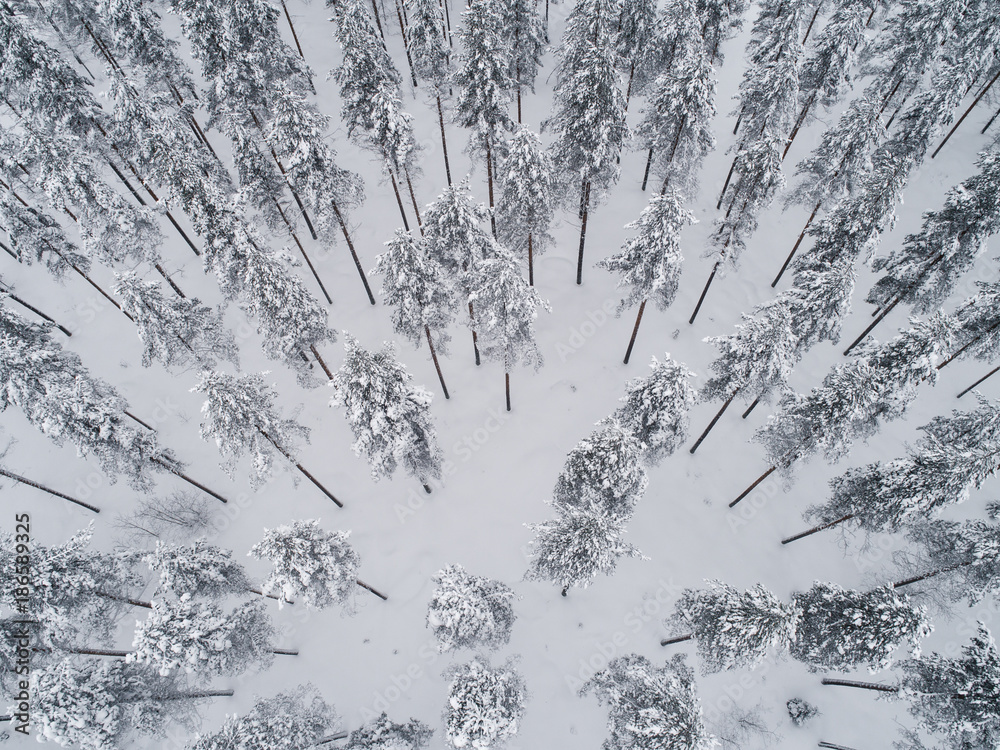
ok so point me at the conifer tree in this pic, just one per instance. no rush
(650, 707)
(485, 704)
(175, 330)
(318, 567)
(382, 734)
(198, 569)
(35, 237)
(720, 21)
(288, 721)
(507, 307)
(528, 38)
(469, 611)
(734, 629)
(637, 31)
(966, 553)
(576, 547)
(650, 263)
(426, 39)
(389, 417)
(844, 629)
(197, 637)
(527, 197)
(588, 112)
(655, 409)
(603, 473)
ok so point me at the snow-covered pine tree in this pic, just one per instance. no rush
(603, 473)
(60, 398)
(198, 569)
(485, 704)
(309, 563)
(507, 308)
(588, 111)
(655, 409)
(676, 123)
(528, 37)
(651, 708)
(967, 554)
(484, 80)
(288, 721)
(956, 454)
(956, 698)
(426, 39)
(75, 591)
(98, 704)
(576, 547)
(389, 417)
(35, 237)
(382, 734)
(720, 21)
(469, 611)
(415, 286)
(198, 638)
(240, 415)
(175, 330)
(650, 263)
(527, 196)
(636, 39)
(734, 629)
(925, 269)
(844, 629)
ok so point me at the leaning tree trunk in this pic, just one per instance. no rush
(966, 113)
(444, 140)
(399, 201)
(43, 488)
(715, 419)
(531, 261)
(37, 312)
(489, 180)
(677, 639)
(506, 378)
(354, 253)
(701, 299)
(816, 529)
(990, 122)
(753, 486)
(299, 466)
(413, 200)
(189, 480)
(635, 330)
(750, 408)
(365, 586)
(984, 377)
(475, 338)
(583, 231)
(645, 174)
(434, 356)
(795, 247)
(881, 687)
(406, 46)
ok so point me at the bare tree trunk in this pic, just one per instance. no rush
(830, 745)
(312, 348)
(645, 175)
(124, 599)
(984, 377)
(863, 685)
(676, 639)
(725, 185)
(987, 125)
(966, 113)
(798, 242)
(413, 200)
(750, 408)
(354, 254)
(36, 311)
(379, 594)
(399, 201)
(434, 356)
(816, 529)
(284, 652)
(819, 5)
(506, 377)
(475, 338)
(406, 45)
(518, 85)
(97, 652)
(378, 20)
(531, 262)
(802, 117)
(715, 419)
(188, 479)
(43, 488)
(489, 180)
(753, 486)
(628, 89)
(974, 341)
(635, 330)
(931, 574)
(704, 291)
(166, 276)
(299, 466)
(444, 141)
(198, 694)
(583, 232)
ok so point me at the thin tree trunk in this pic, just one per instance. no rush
(166, 276)
(931, 574)
(750, 408)
(704, 291)
(295, 237)
(753, 486)
(583, 232)
(645, 175)
(299, 466)
(715, 419)
(334, 738)
(531, 261)
(124, 599)
(406, 46)
(802, 234)
(188, 479)
(676, 639)
(413, 200)
(444, 141)
(984, 377)
(830, 745)
(628, 89)
(447, 21)
(506, 378)
(725, 185)
(816, 529)
(881, 687)
(136, 419)
(354, 254)
(126, 183)
(489, 180)
(379, 594)
(258, 592)
(43, 488)
(97, 652)
(399, 201)
(819, 5)
(434, 356)
(37, 312)
(966, 113)
(976, 340)
(802, 118)
(888, 98)
(635, 330)
(291, 26)
(518, 85)
(284, 652)
(378, 21)
(194, 694)
(475, 338)
(312, 348)
(987, 125)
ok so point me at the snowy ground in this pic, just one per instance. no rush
(502, 467)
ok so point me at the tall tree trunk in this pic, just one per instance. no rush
(753, 486)
(966, 113)
(170, 281)
(863, 685)
(285, 652)
(36, 311)
(489, 180)
(531, 261)
(434, 356)
(750, 408)
(583, 232)
(974, 341)
(444, 141)
(195, 694)
(365, 586)
(354, 254)
(312, 348)
(447, 21)
(43, 488)
(378, 21)
(628, 89)
(701, 299)
(517, 83)
(931, 574)
(819, 5)
(715, 419)
(798, 123)
(406, 45)
(188, 479)
(725, 185)
(475, 339)
(506, 378)
(413, 200)
(987, 125)
(299, 466)
(399, 201)
(802, 234)
(830, 745)
(677, 639)
(984, 377)
(635, 330)
(123, 599)
(97, 652)
(816, 529)
(645, 175)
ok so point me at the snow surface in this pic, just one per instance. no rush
(502, 467)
